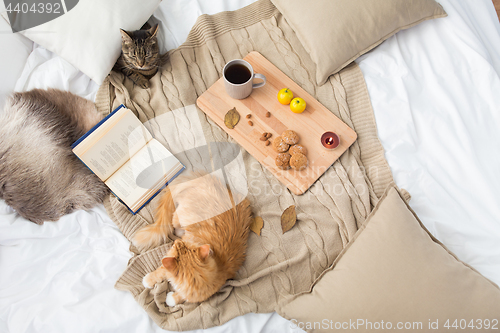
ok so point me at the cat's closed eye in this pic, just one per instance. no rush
(140, 56)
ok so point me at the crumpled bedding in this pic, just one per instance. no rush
(75, 262)
(329, 214)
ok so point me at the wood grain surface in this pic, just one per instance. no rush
(496, 3)
(309, 125)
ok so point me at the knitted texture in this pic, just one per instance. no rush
(278, 265)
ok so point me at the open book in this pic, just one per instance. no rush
(125, 156)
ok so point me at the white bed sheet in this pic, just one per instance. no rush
(434, 90)
(14, 50)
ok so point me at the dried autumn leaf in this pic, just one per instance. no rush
(257, 224)
(288, 218)
(231, 118)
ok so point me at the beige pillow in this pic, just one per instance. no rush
(337, 32)
(394, 274)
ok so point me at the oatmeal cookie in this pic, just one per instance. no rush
(298, 161)
(297, 149)
(279, 145)
(283, 161)
(290, 137)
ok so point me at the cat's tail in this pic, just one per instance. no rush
(157, 233)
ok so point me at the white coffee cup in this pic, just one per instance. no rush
(238, 79)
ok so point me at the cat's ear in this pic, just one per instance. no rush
(205, 251)
(125, 36)
(153, 30)
(169, 263)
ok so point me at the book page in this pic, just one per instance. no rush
(144, 174)
(113, 143)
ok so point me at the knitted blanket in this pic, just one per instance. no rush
(278, 265)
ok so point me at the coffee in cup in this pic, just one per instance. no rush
(238, 79)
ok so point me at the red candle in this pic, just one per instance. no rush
(330, 140)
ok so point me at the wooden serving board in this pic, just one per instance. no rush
(309, 125)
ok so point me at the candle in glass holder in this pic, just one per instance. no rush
(330, 140)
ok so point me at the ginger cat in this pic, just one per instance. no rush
(215, 224)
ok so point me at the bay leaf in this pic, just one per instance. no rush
(288, 218)
(231, 118)
(257, 224)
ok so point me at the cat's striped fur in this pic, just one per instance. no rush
(140, 57)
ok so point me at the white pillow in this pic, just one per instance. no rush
(88, 36)
(14, 50)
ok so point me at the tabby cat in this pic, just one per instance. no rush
(140, 57)
(214, 223)
(40, 177)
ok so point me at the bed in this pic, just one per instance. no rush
(434, 92)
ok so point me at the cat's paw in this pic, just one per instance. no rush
(170, 299)
(140, 80)
(148, 282)
(179, 232)
(143, 83)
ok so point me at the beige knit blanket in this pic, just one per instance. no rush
(329, 213)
